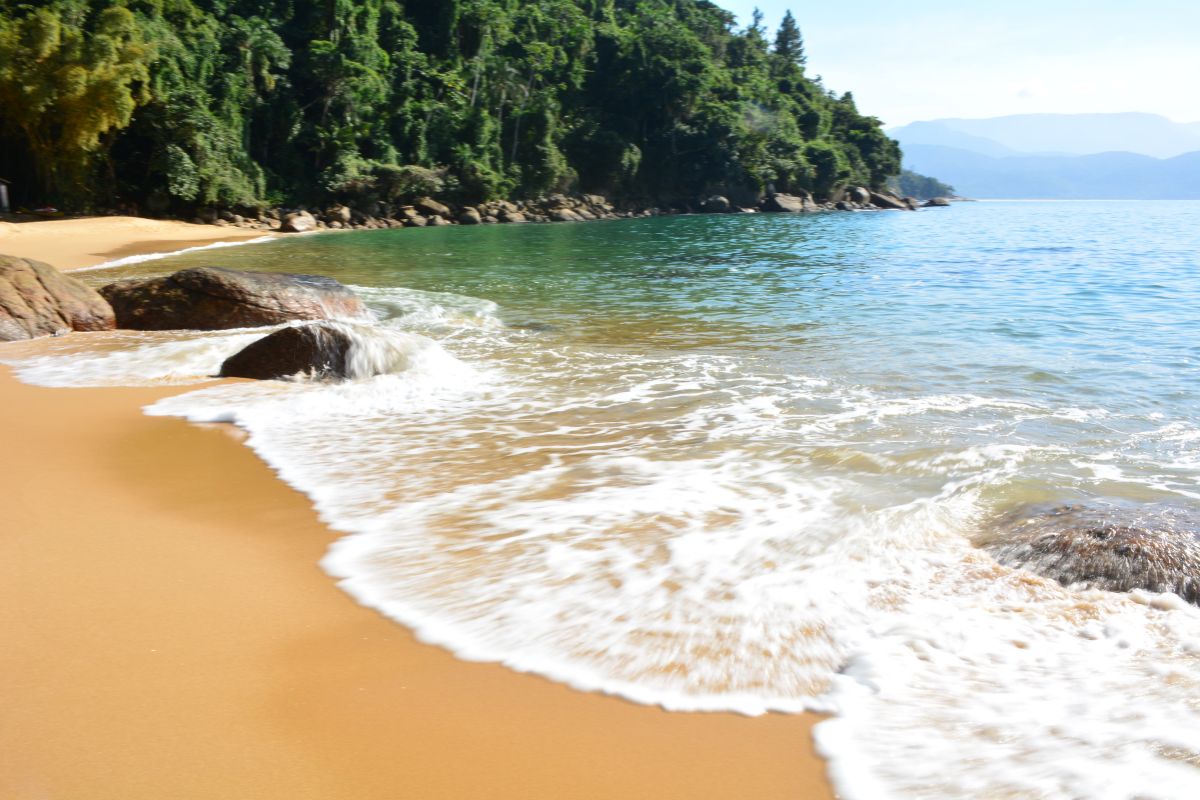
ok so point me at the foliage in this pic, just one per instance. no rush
(188, 103)
(922, 187)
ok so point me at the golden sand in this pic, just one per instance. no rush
(168, 634)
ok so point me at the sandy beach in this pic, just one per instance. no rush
(85, 242)
(169, 634)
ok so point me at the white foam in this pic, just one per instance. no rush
(143, 257)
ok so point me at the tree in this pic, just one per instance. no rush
(789, 44)
(68, 77)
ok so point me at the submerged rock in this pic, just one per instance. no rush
(1114, 548)
(215, 298)
(38, 300)
(318, 350)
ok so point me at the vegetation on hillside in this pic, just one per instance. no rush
(177, 104)
(922, 187)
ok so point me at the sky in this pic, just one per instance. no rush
(929, 59)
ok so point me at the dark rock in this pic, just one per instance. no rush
(858, 195)
(887, 200)
(319, 350)
(469, 216)
(214, 298)
(430, 207)
(339, 213)
(1115, 548)
(38, 300)
(717, 205)
(842, 205)
(936, 202)
(298, 222)
(788, 203)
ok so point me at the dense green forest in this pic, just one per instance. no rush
(177, 104)
(922, 187)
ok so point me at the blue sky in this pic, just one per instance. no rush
(926, 59)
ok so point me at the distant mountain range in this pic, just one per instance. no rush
(1048, 156)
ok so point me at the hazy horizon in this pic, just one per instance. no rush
(942, 59)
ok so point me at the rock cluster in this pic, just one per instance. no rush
(215, 298)
(426, 211)
(38, 300)
(1116, 548)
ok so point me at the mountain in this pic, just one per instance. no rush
(1114, 175)
(1057, 134)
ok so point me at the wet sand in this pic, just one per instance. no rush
(168, 633)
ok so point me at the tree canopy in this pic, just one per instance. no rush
(176, 104)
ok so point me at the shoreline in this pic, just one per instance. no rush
(169, 632)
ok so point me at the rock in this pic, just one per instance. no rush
(319, 350)
(430, 207)
(298, 222)
(888, 201)
(858, 195)
(435, 220)
(338, 213)
(215, 298)
(564, 215)
(490, 220)
(842, 205)
(788, 204)
(717, 205)
(416, 221)
(1115, 548)
(38, 300)
(511, 216)
(936, 202)
(469, 216)
(584, 213)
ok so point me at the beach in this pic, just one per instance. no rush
(169, 633)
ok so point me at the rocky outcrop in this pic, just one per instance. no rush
(788, 203)
(936, 202)
(430, 207)
(717, 204)
(469, 216)
(38, 300)
(1114, 548)
(214, 298)
(858, 195)
(298, 222)
(889, 201)
(316, 351)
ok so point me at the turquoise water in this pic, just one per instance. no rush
(740, 462)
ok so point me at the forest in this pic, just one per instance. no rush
(166, 106)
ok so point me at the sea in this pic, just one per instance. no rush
(744, 463)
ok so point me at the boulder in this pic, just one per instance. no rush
(717, 205)
(436, 220)
(416, 221)
(1116, 548)
(858, 195)
(298, 222)
(38, 300)
(469, 216)
(936, 202)
(318, 351)
(511, 216)
(788, 203)
(564, 215)
(888, 201)
(339, 213)
(215, 298)
(430, 207)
